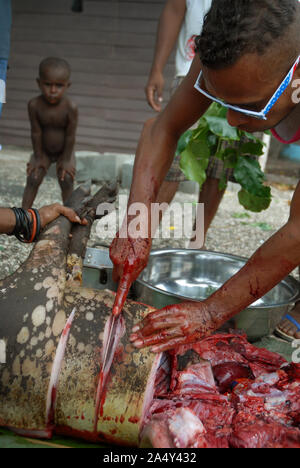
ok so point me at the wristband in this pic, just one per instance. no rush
(38, 224)
(26, 230)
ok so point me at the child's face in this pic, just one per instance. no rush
(53, 85)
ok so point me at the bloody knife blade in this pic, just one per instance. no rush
(121, 297)
(109, 348)
(111, 343)
(109, 352)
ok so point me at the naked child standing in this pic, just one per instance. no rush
(53, 119)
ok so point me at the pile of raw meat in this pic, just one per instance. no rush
(224, 392)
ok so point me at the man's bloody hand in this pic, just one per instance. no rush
(173, 325)
(129, 256)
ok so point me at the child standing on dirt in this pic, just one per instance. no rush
(53, 118)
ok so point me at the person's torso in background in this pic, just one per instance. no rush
(191, 27)
(5, 25)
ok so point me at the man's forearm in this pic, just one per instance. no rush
(7, 221)
(272, 262)
(158, 141)
(154, 156)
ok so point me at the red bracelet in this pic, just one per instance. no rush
(33, 233)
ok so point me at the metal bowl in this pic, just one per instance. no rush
(173, 276)
(97, 269)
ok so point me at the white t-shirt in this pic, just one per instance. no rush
(191, 27)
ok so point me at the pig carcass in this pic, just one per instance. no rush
(220, 392)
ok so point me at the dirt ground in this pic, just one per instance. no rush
(234, 230)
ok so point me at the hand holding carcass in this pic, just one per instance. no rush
(174, 325)
(51, 212)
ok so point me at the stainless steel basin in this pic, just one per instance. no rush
(175, 275)
(97, 269)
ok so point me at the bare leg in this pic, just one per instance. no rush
(66, 185)
(32, 185)
(211, 196)
(286, 326)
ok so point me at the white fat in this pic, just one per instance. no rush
(57, 363)
(269, 379)
(185, 427)
(187, 379)
(276, 398)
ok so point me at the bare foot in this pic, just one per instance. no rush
(288, 327)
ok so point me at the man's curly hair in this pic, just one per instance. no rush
(233, 28)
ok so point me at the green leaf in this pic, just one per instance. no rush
(262, 226)
(223, 181)
(250, 176)
(216, 110)
(252, 202)
(250, 136)
(240, 215)
(220, 127)
(230, 158)
(194, 161)
(197, 146)
(212, 140)
(183, 141)
(252, 147)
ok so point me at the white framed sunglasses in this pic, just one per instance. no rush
(262, 115)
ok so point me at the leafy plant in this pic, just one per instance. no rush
(215, 137)
(240, 215)
(262, 226)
